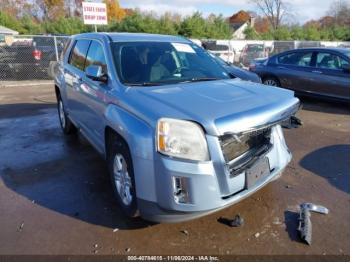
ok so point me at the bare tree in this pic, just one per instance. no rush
(274, 10)
(340, 10)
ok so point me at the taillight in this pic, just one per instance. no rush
(36, 54)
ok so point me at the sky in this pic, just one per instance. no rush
(303, 10)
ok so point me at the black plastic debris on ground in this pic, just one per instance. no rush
(237, 221)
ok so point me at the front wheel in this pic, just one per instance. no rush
(271, 81)
(66, 125)
(122, 176)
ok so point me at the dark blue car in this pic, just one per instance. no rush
(313, 71)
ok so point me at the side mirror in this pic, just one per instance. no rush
(95, 73)
(346, 68)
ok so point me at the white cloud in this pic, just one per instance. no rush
(163, 8)
(304, 10)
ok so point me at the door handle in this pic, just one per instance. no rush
(316, 71)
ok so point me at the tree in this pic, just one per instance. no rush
(51, 9)
(297, 33)
(274, 10)
(340, 11)
(69, 26)
(282, 33)
(193, 26)
(261, 25)
(114, 11)
(312, 33)
(250, 33)
(217, 28)
(10, 22)
(167, 25)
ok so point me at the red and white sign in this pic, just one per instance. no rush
(94, 13)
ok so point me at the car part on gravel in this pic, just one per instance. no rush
(236, 222)
(305, 226)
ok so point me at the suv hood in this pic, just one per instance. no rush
(223, 106)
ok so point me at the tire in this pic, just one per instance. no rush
(66, 125)
(271, 81)
(121, 172)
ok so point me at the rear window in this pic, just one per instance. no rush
(212, 46)
(78, 54)
(298, 59)
(43, 41)
(218, 48)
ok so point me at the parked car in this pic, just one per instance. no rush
(282, 46)
(251, 52)
(237, 72)
(29, 59)
(313, 71)
(181, 138)
(220, 49)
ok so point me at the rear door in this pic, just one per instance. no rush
(294, 70)
(332, 80)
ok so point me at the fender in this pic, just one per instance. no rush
(140, 138)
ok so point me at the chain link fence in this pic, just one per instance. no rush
(27, 57)
(243, 52)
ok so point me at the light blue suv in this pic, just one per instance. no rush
(181, 137)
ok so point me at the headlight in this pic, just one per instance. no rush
(182, 139)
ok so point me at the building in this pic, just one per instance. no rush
(7, 31)
(239, 22)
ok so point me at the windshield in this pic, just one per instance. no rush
(347, 53)
(158, 63)
(255, 48)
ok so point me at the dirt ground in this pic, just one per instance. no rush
(55, 196)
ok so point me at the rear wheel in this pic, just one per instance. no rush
(271, 81)
(122, 176)
(66, 125)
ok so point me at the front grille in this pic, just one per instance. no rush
(240, 151)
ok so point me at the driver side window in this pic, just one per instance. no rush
(96, 56)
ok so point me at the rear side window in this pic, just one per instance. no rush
(330, 61)
(78, 54)
(96, 56)
(298, 59)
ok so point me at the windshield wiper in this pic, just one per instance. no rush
(142, 84)
(200, 79)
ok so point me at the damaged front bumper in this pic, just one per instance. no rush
(187, 190)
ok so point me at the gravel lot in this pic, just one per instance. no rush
(55, 196)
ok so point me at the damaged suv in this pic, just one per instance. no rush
(182, 139)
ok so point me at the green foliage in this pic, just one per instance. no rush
(217, 28)
(193, 26)
(10, 22)
(282, 33)
(297, 33)
(29, 27)
(68, 26)
(312, 33)
(251, 34)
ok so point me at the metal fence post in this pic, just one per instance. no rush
(56, 49)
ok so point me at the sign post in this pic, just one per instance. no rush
(94, 14)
